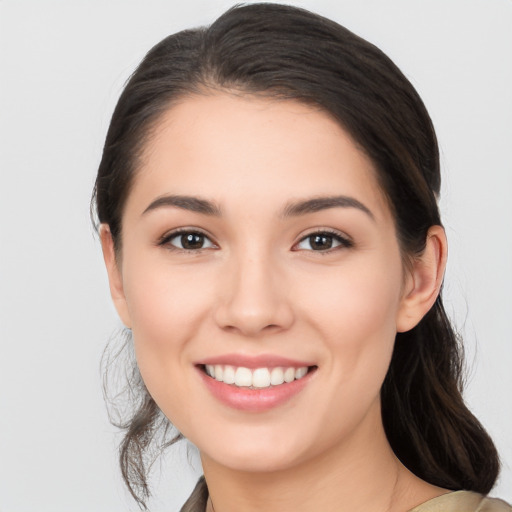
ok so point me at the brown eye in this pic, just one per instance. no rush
(320, 242)
(192, 241)
(189, 241)
(323, 241)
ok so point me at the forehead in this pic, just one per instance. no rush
(244, 150)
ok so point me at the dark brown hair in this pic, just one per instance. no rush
(289, 53)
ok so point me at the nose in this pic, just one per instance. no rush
(253, 298)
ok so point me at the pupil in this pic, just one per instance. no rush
(321, 242)
(192, 241)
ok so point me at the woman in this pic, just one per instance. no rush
(267, 200)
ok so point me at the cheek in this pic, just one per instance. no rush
(167, 308)
(165, 302)
(359, 298)
(356, 312)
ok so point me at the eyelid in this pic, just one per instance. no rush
(344, 240)
(169, 235)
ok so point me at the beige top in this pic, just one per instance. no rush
(458, 501)
(463, 501)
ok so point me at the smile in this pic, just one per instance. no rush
(257, 389)
(258, 378)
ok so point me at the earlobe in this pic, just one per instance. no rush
(424, 280)
(114, 274)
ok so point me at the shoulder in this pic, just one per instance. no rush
(494, 505)
(463, 501)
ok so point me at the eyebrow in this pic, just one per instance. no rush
(317, 204)
(293, 209)
(191, 203)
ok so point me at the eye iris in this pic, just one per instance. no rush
(192, 241)
(320, 242)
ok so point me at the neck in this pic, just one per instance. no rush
(361, 474)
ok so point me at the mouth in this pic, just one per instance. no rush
(255, 383)
(257, 378)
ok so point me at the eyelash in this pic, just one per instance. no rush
(344, 241)
(165, 240)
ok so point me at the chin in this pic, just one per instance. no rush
(255, 453)
(249, 462)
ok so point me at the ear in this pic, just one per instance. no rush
(424, 280)
(115, 277)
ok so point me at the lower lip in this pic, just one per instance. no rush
(254, 400)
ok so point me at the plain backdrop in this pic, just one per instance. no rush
(62, 67)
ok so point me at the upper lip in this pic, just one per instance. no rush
(255, 361)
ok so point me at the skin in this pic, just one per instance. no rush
(259, 287)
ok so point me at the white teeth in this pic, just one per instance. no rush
(218, 372)
(229, 375)
(276, 376)
(289, 375)
(261, 378)
(300, 372)
(243, 377)
(258, 378)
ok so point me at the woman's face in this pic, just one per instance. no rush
(257, 242)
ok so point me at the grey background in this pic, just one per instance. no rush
(62, 67)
